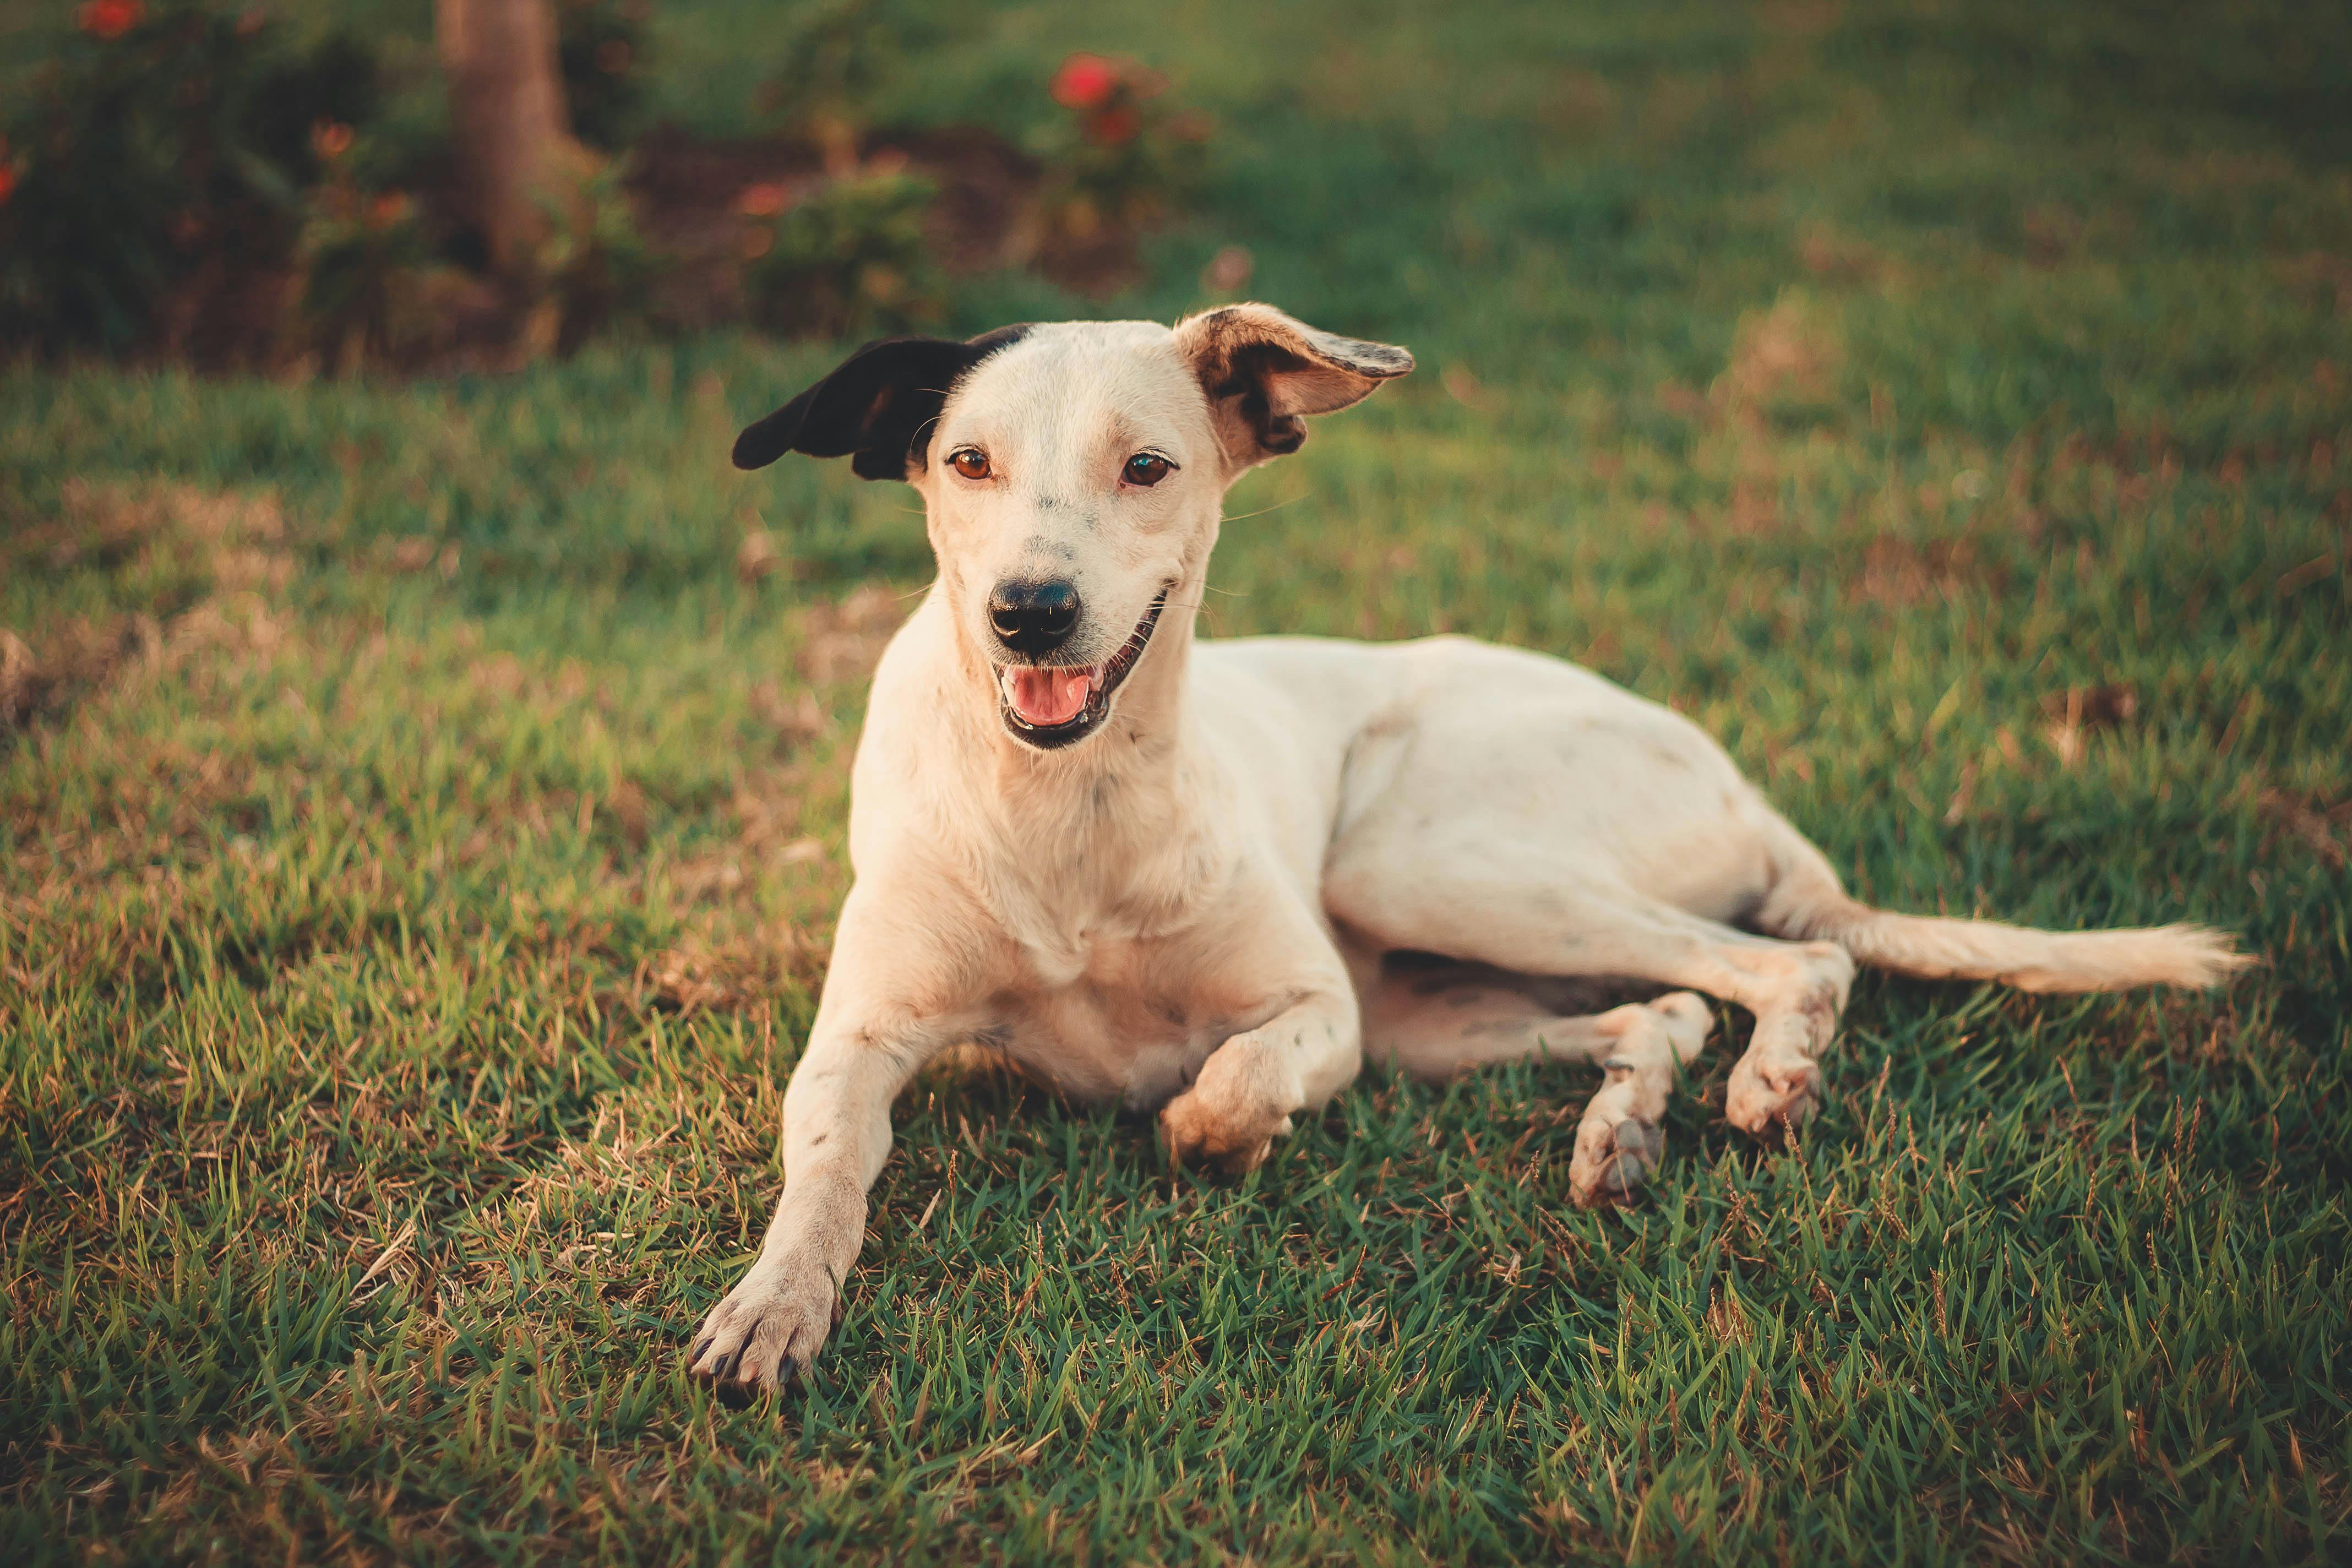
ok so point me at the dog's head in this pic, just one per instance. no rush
(1072, 475)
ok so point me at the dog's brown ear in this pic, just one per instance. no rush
(1266, 373)
(876, 408)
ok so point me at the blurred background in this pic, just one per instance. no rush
(423, 759)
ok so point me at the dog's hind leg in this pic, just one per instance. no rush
(1532, 917)
(1437, 1032)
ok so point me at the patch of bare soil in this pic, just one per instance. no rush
(1899, 572)
(2325, 830)
(176, 549)
(846, 640)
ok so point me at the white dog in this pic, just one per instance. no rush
(1207, 877)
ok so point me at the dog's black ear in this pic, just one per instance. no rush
(1265, 372)
(876, 408)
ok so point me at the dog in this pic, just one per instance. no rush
(1209, 879)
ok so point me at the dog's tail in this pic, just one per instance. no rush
(1807, 903)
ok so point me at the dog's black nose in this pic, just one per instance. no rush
(1033, 618)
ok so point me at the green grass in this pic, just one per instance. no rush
(414, 888)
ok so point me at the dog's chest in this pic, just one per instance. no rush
(1117, 1017)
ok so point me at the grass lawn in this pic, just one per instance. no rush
(417, 867)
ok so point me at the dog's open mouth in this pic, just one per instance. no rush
(1052, 705)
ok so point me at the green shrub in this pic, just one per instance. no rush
(835, 54)
(850, 258)
(364, 256)
(597, 268)
(158, 142)
(601, 45)
(1124, 159)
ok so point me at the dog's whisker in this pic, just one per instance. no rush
(1244, 517)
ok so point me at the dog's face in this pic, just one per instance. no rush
(1072, 490)
(1073, 476)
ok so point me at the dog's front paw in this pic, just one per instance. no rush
(1202, 1135)
(1235, 1111)
(768, 1329)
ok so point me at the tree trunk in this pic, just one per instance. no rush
(514, 137)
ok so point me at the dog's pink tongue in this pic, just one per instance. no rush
(1048, 697)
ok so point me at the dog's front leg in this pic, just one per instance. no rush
(866, 1043)
(836, 1136)
(1252, 1085)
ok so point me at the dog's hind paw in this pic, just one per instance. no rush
(1614, 1160)
(1772, 1099)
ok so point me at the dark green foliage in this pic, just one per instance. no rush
(182, 142)
(850, 259)
(603, 47)
(829, 59)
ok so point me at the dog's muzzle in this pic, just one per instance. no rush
(1050, 706)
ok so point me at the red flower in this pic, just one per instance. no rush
(7, 183)
(1085, 81)
(763, 200)
(109, 19)
(331, 138)
(1114, 127)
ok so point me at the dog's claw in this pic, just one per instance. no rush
(761, 1338)
(1639, 1138)
(737, 1392)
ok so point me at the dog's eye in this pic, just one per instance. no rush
(969, 461)
(1146, 468)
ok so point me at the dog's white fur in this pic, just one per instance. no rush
(1197, 909)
